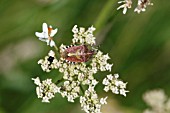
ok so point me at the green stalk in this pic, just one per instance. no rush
(105, 15)
(105, 20)
(82, 90)
(56, 48)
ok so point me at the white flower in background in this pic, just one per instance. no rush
(142, 4)
(45, 89)
(90, 102)
(47, 34)
(155, 98)
(116, 86)
(167, 105)
(158, 101)
(125, 5)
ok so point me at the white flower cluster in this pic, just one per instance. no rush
(141, 6)
(116, 86)
(50, 62)
(99, 62)
(79, 72)
(45, 90)
(158, 101)
(78, 63)
(90, 102)
(83, 36)
(71, 90)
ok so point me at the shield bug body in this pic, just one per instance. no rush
(75, 54)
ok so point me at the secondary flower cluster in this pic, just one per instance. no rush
(90, 102)
(45, 90)
(141, 6)
(116, 86)
(71, 90)
(50, 62)
(158, 101)
(82, 36)
(78, 63)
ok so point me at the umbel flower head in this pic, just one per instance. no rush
(116, 86)
(90, 102)
(78, 64)
(45, 90)
(47, 34)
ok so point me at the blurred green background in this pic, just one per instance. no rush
(139, 47)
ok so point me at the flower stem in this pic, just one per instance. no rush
(56, 48)
(57, 51)
(82, 90)
(105, 15)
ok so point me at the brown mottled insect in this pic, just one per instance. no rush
(75, 54)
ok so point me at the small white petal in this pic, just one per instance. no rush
(40, 35)
(109, 67)
(115, 90)
(75, 29)
(121, 2)
(116, 76)
(106, 88)
(124, 10)
(91, 29)
(48, 42)
(40, 61)
(37, 81)
(123, 92)
(143, 10)
(45, 28)
(122, 6)
(53, 32)
(52, 43)
(39, 92)
(82, 30)
(105, 81)
(51, 53)
(43, 39)
(46, 99)
(94, 82)
(103, 100)
(110, 76)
